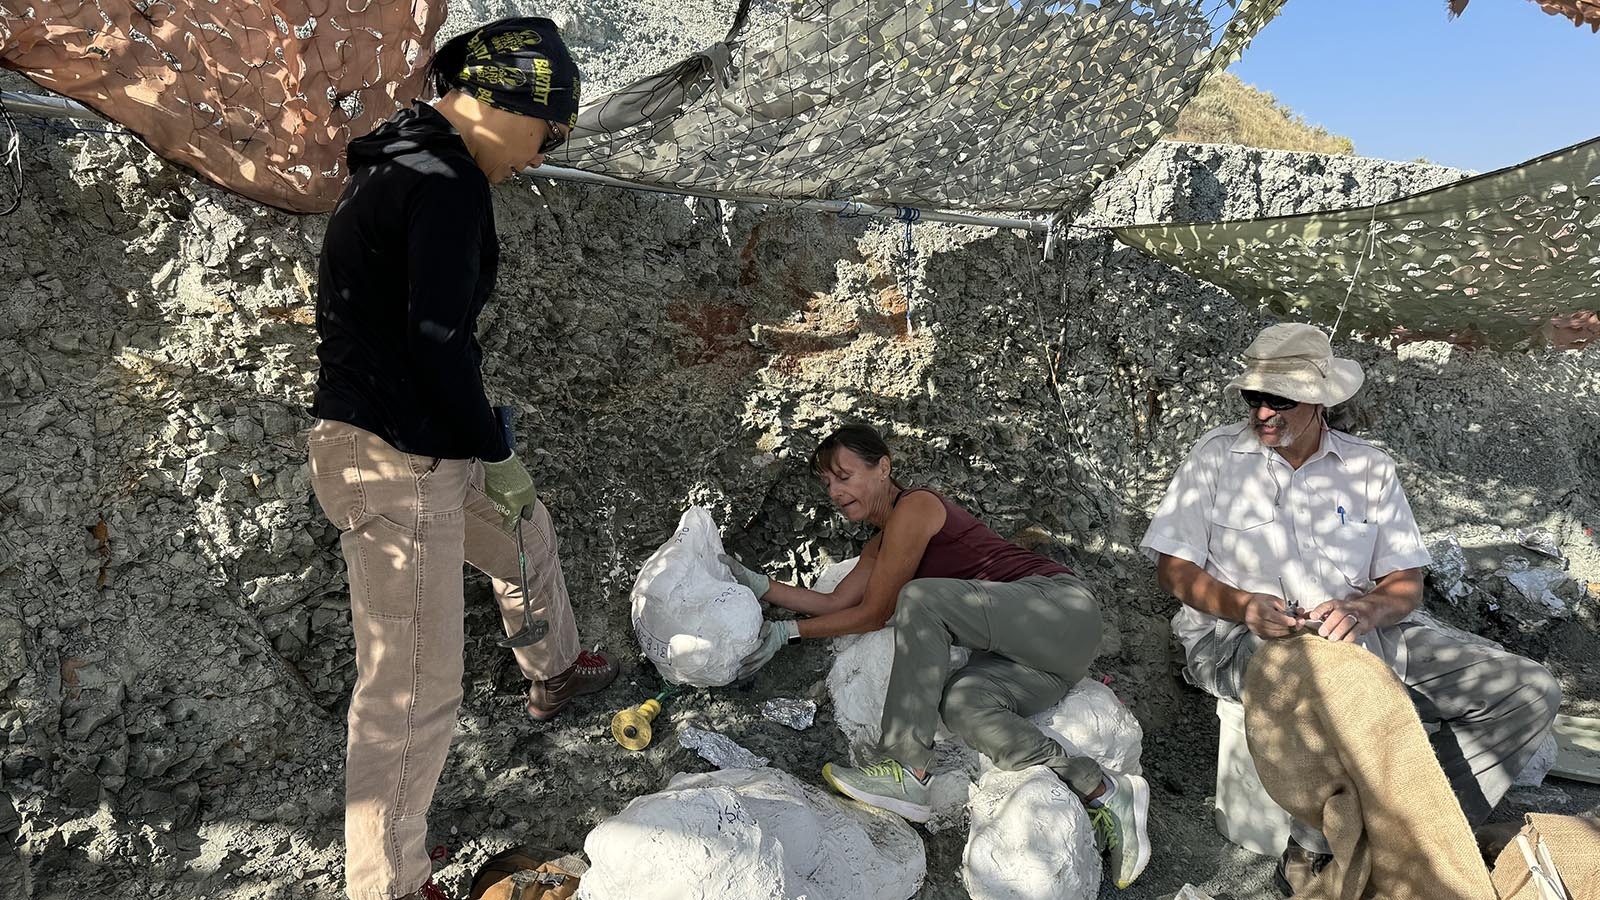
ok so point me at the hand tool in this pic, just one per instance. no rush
(533, 630)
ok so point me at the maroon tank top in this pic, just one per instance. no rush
(969, 550)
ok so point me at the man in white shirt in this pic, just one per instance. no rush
(1279, 524)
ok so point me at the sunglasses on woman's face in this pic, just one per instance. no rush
(1258, 399)
(553, 139)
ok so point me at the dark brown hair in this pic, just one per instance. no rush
(862, 440)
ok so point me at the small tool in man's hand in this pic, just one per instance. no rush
(533, 630)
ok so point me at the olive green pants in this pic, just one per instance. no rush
(1034, 639)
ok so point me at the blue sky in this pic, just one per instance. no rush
(1501, 84)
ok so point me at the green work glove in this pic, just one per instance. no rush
(774, 634)
(755, 581)
(510, 489)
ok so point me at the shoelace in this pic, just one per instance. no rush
(1105, 823)
(587, 660)
(886, 769)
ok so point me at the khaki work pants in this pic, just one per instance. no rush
(1034, 638)
(407, 525)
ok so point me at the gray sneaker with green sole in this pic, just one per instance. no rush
(1121, 827)
(886, 785)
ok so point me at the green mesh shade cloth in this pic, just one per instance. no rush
(1494, 256)
(1016, 105)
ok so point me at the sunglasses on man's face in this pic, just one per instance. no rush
(553, 139)
(1257, 399)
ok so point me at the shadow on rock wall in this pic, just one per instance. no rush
(155, 528)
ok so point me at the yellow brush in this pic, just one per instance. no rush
(631, 727)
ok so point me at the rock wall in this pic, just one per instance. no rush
(172, 606)
(1178, 182)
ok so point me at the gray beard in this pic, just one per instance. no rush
(1289, 437)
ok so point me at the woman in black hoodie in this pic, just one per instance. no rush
(407, 459)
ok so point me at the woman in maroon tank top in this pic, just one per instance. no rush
(943, 578)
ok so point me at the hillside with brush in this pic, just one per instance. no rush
(1228, 111)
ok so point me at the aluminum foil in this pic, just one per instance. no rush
(718, 750)
(1538, 585)
(1541, 542)
(1450, 568)
(796, 714)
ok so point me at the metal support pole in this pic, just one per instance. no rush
(842, 208)
(1052, 229)
(48, 107)
(62, 108)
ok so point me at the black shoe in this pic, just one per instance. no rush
(1297, 867)
(1493, 838)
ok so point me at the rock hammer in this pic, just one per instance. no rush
(533, 630)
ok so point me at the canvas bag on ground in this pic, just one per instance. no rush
(499, 877)
(1573, 845)
(694, 621)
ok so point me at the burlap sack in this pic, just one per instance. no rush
(1339, 745)
(498, 879)
(1574, 844)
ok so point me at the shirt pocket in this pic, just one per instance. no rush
(1241, 546)
(1347, 552)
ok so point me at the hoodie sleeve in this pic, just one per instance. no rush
(444, 243)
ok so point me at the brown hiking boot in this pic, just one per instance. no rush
(1297, 867)
(590, 673)
(429, 891)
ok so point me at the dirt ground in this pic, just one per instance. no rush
(1179, 752)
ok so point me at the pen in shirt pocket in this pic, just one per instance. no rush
(1346, 519)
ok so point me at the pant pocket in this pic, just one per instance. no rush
(385, 571)
(336, 480)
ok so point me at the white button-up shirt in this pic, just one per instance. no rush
(1325, 531)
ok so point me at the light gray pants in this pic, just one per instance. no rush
(1034, 638)
(1492, 709)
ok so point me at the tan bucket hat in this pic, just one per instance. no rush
(1296, 361)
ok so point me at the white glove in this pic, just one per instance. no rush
(774, 634)
(755, 581)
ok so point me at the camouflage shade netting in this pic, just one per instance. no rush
(1579, 12)
(1495, 256)
(260, 97)
(1012, 105)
